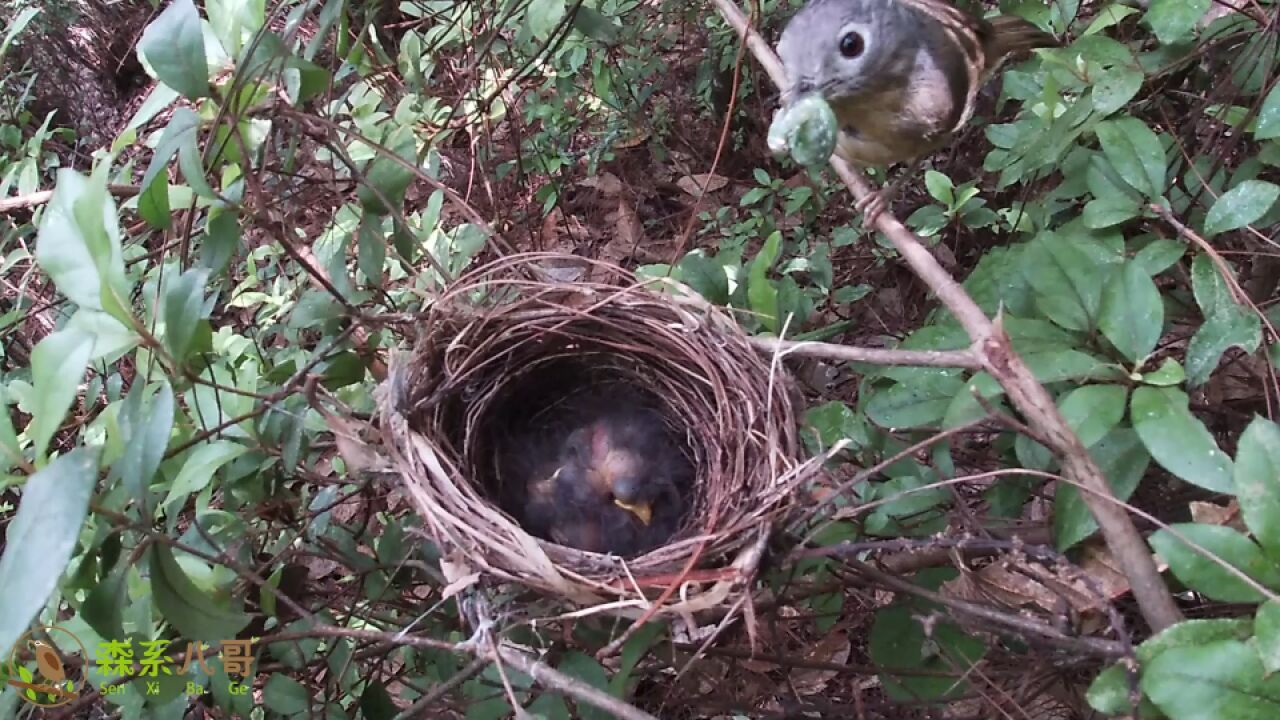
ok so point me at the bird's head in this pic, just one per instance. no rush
(615, 470)
(841, 49)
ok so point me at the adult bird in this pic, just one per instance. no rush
(902, 76)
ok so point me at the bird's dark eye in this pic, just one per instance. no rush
(852, 45)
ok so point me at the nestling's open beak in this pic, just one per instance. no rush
(640, 510)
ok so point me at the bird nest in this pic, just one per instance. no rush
(495, 336)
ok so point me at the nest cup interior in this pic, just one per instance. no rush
(532, 412)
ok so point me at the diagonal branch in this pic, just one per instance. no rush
(994, 351)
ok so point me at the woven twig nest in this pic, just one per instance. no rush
(495, 332)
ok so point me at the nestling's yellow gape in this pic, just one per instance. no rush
(901, 75)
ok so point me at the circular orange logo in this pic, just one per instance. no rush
(53, 681)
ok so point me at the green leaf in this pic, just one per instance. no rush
(57, 368)
(376, 702)
(10, 450)
(1159, 255)
(584, 667)
(762, 293)
(1109, 691)
(144, 433)
(1136, 153)
(153, 203)
(1123, 461)
(372, 250)
(79, 245)
(919, 403)
(1221, 681)
(1173, 20)
(940, 187)
(594, 24)
(1257, 479)
(1068, 281)
(183, 306)
(1105, 212)
(898, 642)
(1178, 440)
(834, 421)
(200, 466)
(1093, 411)
(705, 276)
(1109, 16)
(40, 538)
(1169, 373)
(1266, 639)
(188, 608)
(1132, 313)
(633, 650)
(16, 26)
(1268, 127)
(543, 16)
(1240, 206)
(1193, 633)
(386, 177)
(233, 20)
(1227, 324)
(1115, 85)
(285, 695)
(1209, 576)
(173, 45)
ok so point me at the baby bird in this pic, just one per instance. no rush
(616, 487)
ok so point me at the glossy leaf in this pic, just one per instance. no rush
(1136, 153)
(183, 306)
(1068, 282)
(1123, 461)
(173, 44)
(145, 429)
(1093, 411)
(1172, 20)
(1242, 205)
(58, 363)
(1208, 575)
(1132, 313)
(79, 244)
(386, 178)
(188, 608)
(1227, 324)
(1268, 127)
(285, 695)
(1178, 440)
(1220, 681)
(898, 641)
(762, 293)
(200, 466)
(1266, 639)
(921, 402)
(41, 536)
(1257, 479)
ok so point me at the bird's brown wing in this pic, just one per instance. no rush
(967, 33)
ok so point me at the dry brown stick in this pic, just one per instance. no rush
(993, 349)
(555, 680)
(41, 197)
(876, 356)
(543, 674)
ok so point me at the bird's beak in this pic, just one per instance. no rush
(640, 510)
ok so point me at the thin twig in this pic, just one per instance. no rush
(876, 356)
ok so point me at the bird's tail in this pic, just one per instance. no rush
(1012, 35)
